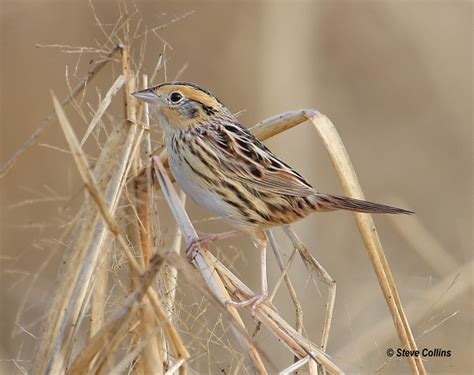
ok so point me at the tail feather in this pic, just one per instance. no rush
(325, 202)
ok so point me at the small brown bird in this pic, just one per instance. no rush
(224, 168)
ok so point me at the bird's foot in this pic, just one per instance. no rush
(254, 300)
(204, 240)
(191, 246)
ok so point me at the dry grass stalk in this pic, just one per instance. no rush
(345, 171)
(98, 299)
(114, 89)
(204, 262)
(98, 351)
(80, 260)
(156, 356)
(143, 189)
(207, 263)
(365, 223)
(295, 366)
(284, 276)
(366, 226)
(314, 266)
(151, 359)
(94, 191)
(436, 299)
(143, 313)
(296, 342)
(168, 284)
(50, 116)
(69, 304)
(99, 292)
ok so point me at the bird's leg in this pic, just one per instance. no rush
(206, 240)
(256, 299)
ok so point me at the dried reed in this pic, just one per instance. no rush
(142, 333)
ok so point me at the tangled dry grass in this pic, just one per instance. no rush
(118, 306)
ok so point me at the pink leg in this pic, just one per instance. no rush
(257, 299)
(206, 240)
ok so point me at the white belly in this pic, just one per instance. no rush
(197, 189)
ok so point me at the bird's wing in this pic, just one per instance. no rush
(249, 161)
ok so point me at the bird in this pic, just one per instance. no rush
(224, 168)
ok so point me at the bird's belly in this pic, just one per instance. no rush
(197, 189)
(203, 184)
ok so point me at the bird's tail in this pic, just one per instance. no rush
(329, 202)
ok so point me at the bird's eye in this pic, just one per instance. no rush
(176, 97)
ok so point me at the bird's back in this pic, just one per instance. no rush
(225, 169)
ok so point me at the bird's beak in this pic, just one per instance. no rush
(147, 95)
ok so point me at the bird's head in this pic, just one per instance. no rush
(181, 105)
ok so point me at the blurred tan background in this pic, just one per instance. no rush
(395, 78)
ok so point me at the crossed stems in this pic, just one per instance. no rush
(279, 123)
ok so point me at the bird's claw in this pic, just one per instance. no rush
(255, 301)
(205, 240)
(191, 246)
